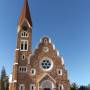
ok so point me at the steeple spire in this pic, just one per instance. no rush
(25, 14)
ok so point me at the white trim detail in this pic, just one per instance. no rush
(53, 46)
(62, 60)
(51, 64)
(15, 63)
(24, 34)
(14, 81)
(59, 72)
(21, 87)
(44, 75)
(60, 87)
(10, 78)
(58, 54)
(32, 87)
(22, 69)
(18, 29)
(33, 71)
(46, 37)
(50, 40)
(22, 57)
(17, 49)
(26, 22)
(24, 42)
(47, 84)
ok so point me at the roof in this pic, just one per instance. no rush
(25, 14)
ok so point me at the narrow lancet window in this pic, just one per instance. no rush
(24, 45)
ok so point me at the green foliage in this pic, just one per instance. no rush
(3, 80)
(74, 86)
(88, 87)
(83, 88)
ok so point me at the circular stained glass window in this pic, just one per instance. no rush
(46, 64)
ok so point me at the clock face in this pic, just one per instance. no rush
(45, 49)
(46, 64)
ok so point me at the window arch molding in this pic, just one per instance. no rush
(60, 87)
(21, 87)
(24, 45)
(24, 34)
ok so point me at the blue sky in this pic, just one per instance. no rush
(67, 22)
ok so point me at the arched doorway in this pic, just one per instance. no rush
(47, 85)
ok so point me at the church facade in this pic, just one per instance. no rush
(42, 69)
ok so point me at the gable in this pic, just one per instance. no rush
(46, 77)
(46, 49)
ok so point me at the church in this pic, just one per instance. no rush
(42, 69)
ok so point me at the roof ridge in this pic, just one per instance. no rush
(25, 14)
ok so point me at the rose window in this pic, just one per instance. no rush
(46, 64)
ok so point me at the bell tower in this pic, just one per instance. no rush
(23, 46)
(24, 33)
(24, 36)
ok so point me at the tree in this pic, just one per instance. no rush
(4, 80)
(83, 88)
(88, 87)
(3, 73)
(74, 86)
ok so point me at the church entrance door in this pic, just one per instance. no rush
(46, 88)
(46, 85)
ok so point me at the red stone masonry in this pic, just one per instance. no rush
(40, 69)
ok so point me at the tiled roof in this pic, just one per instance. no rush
(25, 14)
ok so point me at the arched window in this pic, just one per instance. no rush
(21, 87)
(33, 71)
(22, 69)
(47, 84)
(23, 57)
(32, 87)
(61, 87)
(24, 45)
(59, 72)
(24, 34)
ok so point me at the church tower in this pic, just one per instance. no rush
(41, 70)
(23, 45)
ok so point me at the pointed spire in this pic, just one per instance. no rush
(25, 14)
